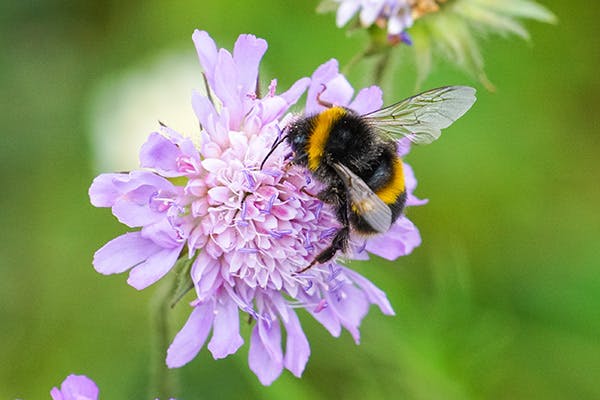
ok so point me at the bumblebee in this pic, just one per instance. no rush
(356, 157)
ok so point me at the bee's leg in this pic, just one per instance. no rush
(332, 195)
(287, 166)
(303, 190)
(342, 236)
(339, 242)
(328, 196)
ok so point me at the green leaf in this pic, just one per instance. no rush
(487, 19)
(455, 40)
(519, 8)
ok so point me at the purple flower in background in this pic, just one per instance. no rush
(249, 230)
(450, 29)
(395, 15)
(75, 387)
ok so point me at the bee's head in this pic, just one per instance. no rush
(297, 134)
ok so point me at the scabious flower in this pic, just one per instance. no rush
(395, 16)
(246, 231)
(447, 27)
(75, 387)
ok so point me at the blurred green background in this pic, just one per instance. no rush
(501, 301)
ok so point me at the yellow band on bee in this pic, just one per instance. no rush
(395, 187)
(320, 133)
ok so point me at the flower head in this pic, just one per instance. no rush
(245, 230)
(395, 16)
(446, 27)
(75, 387)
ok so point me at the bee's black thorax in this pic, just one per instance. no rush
(351, 142)
(338, 135)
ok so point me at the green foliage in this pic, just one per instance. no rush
(453, 32)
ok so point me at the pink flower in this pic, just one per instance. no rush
(249, 230)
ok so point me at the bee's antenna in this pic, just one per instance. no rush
(278, 140)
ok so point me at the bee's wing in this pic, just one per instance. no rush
(422, 117)
(364, 201)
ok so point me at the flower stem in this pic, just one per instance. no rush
(354, 60)
(163, 382)
(381, 67)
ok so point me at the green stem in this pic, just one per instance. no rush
(163, 382)
(381, 67)
(355, 59)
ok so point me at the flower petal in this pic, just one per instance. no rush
(269, 109)
(164, 234)
(324, 73)
(345, 12)
(374, 294)
(205, 112)
(207, 52)
(129, 195)
(369, 13)
(226, 337)
(270, 335)
(411, 185)
(297, 349)
(77, 387)
(205, 275)
(247, 53)
(220, 194)
(160, 154)
(133, 209)
(292, 95)
(107, 188)
(400, 21)
(404, 146)
(324, 315)
(153, 268)
(338, 91)
(103, 192)
(367, 100)
(400, 240)
(213, 165)
(350, 305)
(56, 394)
(124, 252)
(189, 340)
(226, 88)
(264, 356)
